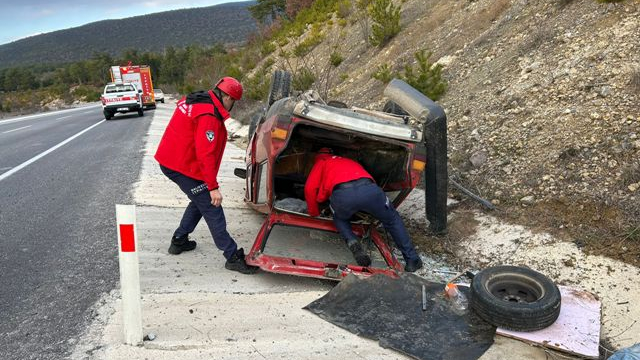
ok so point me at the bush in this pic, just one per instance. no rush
(86, 93)
(335, 59)
(426, 77)
(303, 79)
(309, 43)
(267, 64)
(267, 48)
(257, 86)
(383, 73)
(344, 9)
(385, 19)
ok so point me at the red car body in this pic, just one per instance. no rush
(278, 159)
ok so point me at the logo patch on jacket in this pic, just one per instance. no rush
(210, 135)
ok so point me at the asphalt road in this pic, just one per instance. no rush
(58, 251)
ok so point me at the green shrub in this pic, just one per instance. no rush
(383, 73)
(344, 76)
(234, 71)
(342, 22)
(308, 44)
(267, 64)
(344, 9)
(336, 59)
(385, 19)
(86, 93)
(267, 48)
(426, 77)
(303, 79)
(257, 86)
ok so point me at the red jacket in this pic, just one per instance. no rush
(327, 172)
(194, 140)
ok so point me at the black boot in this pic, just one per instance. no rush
(413, 265)
(237, 263)
(358, 253)
(181, 244)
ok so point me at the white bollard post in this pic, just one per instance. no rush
(129, 274)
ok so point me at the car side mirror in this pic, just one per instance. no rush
(240, 172)
(140, 91)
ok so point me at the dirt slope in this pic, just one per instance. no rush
(543, 106)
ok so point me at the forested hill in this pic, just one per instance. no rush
(225, 23)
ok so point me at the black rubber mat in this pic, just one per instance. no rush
(390, 311)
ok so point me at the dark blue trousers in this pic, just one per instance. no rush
(369, 197)
(199, 207)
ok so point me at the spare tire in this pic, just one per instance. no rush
(515, 298)
(280, 86)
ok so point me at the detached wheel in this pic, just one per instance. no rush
(515, 298)
(280, 86)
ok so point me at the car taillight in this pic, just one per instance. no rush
(418, 165)
(278, 133)
(281, 130)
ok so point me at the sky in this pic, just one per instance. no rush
(23, 18)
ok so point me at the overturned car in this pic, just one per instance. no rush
(283, 143)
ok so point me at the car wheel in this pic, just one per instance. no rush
(140, 112)
(162, 101)
(107, 115)
(280, 86)
(515, 298)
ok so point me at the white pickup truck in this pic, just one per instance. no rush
(121, 98)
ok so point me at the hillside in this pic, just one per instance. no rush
(226, 23)
(542, 104)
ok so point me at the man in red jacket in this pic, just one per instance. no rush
(189, 154)
(349, 189)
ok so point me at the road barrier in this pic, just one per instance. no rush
(129, 274)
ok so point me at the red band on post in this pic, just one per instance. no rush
(127, 241)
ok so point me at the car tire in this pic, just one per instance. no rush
(162, 101)
(140, 112)
(280, 86)
(515, 298)
(107, 115)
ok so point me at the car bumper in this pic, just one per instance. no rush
(122, 108)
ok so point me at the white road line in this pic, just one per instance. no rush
(46, 152)
(88, 112)
(29, 117)
(20, 128)
(64, 117)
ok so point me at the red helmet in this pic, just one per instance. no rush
(231, 87)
